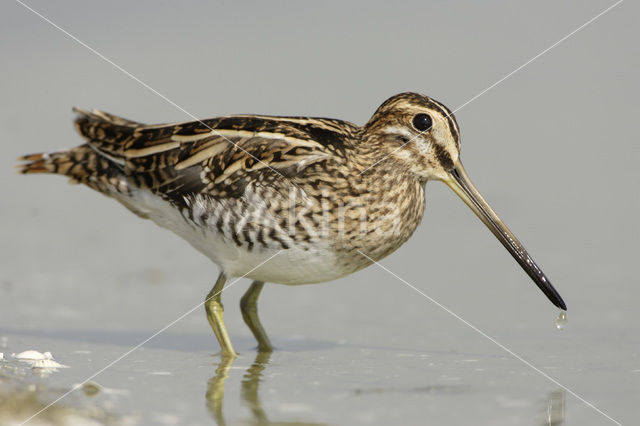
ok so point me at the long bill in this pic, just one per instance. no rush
(461, 184)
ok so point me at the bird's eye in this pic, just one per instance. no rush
(422, 122)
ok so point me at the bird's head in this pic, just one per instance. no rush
(416, 134)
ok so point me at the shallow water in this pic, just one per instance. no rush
(338, 361)
(553, 149)
(342, 384)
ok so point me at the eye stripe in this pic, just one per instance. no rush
(451, 121)
(443, 157)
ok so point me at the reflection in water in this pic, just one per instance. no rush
(249, 390)
(250, 394)
(251, 384)
(215, 390)
(555, 409)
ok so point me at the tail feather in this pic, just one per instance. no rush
(37, 163)
(98, 163)
(62, 162)
(81, 164)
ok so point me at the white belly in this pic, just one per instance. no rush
(292, 266)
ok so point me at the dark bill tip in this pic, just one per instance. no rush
(461, 184)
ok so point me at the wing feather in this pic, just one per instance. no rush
(217, 156)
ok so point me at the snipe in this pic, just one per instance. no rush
(290, 200)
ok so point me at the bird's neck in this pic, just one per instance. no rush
(395, 202)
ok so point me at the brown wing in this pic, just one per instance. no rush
(218, 156)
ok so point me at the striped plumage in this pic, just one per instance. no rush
(315, 193)
(260, 182)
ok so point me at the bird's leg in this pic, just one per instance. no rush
(215, 312)
(249, 308)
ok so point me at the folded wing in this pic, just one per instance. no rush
(217, 156)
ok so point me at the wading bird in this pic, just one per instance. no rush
(290, 200)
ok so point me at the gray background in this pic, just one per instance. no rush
(553, 148)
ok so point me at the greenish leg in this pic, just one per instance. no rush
(215, 311)
(249, 308)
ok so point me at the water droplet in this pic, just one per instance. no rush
(561, 321)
